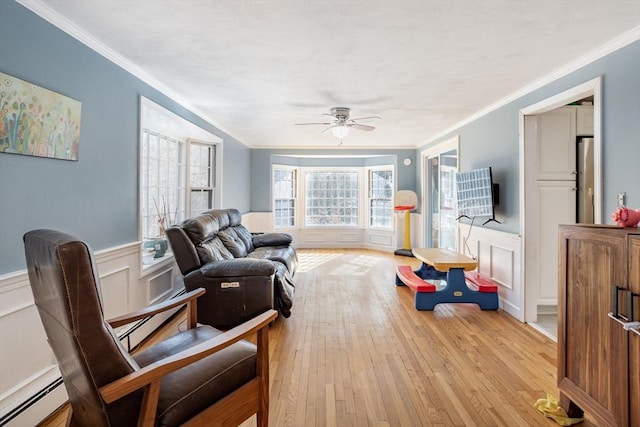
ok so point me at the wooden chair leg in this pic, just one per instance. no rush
(263, 374)
(70, 420)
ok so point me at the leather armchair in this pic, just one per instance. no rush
(201, 376)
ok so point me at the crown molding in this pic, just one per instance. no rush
(45, 12)
(48, 14)
(604, 50)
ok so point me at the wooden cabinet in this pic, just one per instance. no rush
(597, 358)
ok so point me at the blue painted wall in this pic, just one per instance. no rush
(492, 140)
(97, 196)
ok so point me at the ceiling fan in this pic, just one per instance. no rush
(341, 122)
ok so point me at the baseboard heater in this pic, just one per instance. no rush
(42, 393)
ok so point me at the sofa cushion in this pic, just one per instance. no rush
(245, 235)
(283, 254)
(201, 228)
(272, 239)
(213, 250)
(221, 216)
(233, 242)
(235, 217)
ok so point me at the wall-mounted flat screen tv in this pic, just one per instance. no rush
(475, 191)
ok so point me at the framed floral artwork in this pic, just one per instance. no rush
(36, 121)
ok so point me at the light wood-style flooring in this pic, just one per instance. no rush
(355, 352)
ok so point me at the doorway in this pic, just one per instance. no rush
(439, 166)
(548, 196)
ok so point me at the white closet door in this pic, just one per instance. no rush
(557, 144)
(556, 205)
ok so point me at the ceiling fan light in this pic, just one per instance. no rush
(340, 131)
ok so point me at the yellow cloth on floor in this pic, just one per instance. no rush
(551, 409)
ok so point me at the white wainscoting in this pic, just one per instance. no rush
(27, 364)
(336, 237)
(499, 258)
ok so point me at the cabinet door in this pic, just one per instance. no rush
(592, 347)
(634, 337)
(584, 121)
(556, 133)
(556, 205)
(634, 378)
(634, 267)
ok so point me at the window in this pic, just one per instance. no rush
(201, 177)
(284, 197)
(380, 198)
(179, 171)
(162, 183)
(331, 198)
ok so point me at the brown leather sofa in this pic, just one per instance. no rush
(244, 274)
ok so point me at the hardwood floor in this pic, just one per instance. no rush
(355, 352)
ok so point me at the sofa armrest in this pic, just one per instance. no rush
(183, 250)
(272, 239)
(238, 267)
(237, 290)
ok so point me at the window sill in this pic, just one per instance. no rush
(156, 264)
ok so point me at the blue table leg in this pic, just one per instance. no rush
(456, 291)
(427, 272)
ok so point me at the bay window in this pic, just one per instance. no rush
(331, 198)
(310, 197)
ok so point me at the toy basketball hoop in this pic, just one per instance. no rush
(405, 201)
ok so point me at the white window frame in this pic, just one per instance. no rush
(363, 196)
(212, 187)
(368, 171)
(303, 196)
(296, 193)
(162, 198)
(162, 121)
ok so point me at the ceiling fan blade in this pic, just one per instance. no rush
(330, 127)
(303, 124)
(360, 126)
(365, 118)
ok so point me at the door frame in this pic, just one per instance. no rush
(527, 177)
(452, 143)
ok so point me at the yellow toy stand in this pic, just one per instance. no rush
(405, 201)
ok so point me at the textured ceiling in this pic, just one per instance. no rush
(254, 68)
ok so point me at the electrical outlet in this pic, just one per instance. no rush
(622, 199)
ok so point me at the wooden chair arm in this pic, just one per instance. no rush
(188, 298)
(152, 374)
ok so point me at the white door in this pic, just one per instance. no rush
(556, 151)
(556, 205)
